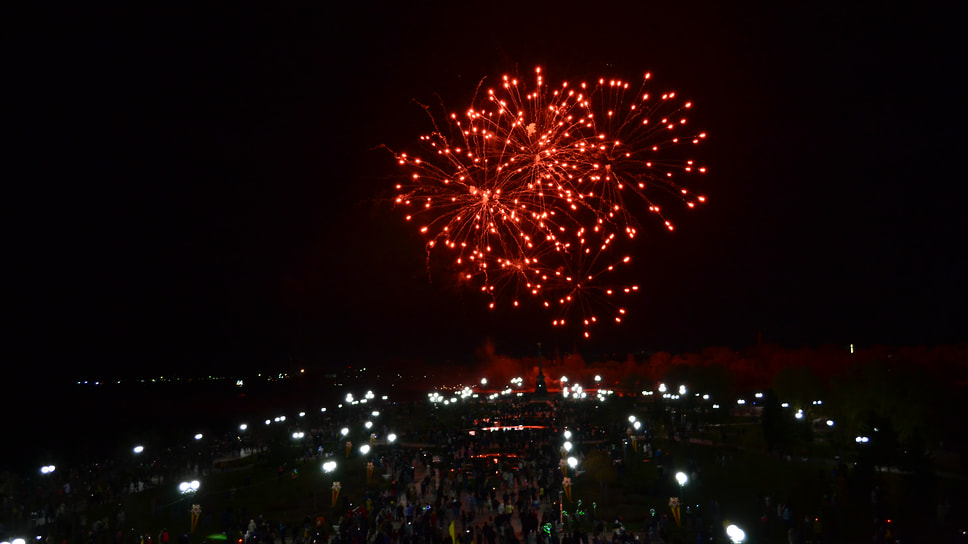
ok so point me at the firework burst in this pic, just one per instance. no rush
(533, 192)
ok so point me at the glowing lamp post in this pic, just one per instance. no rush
(735, 534)
(186, 488)
(364, 451)
(328, 467)
(682, 479)
(391, 438)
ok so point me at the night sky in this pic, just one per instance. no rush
(200, 189)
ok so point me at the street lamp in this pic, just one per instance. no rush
(189, 487)
(735, 534)
(328, 467)
(391, 438)
(138, 449)
(682, 479)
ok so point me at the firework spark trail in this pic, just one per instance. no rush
(533, 190)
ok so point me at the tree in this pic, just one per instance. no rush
(799, 386)
(599, 467)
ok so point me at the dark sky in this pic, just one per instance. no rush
(197, 189)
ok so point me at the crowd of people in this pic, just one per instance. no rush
(492, 476)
